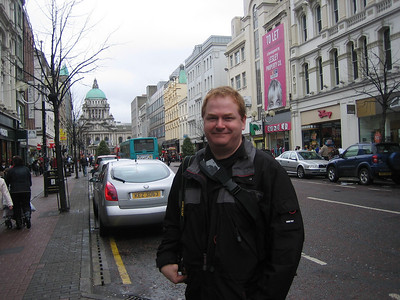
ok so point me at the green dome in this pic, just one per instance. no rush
(95, 92)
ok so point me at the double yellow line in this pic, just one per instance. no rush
(118, 260)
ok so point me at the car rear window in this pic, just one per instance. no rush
(387, 148)
(140, 172)
(309, 155)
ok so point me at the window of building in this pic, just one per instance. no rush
(320, 73)
(244, 80)
(387, 48)
(306, 79)
(242, 52)
(231, 60)
(318, 20)
(354, 6)
(237, 58)
(304, 27)
(238, 85)
(335, 61)
(232, 83)
(335, 10)
(354, 61)
(364, 50)
(256, 45)
(255, 18)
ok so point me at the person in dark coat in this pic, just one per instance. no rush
(19, 180)
(241, 240)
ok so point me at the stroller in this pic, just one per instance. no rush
(8, 215)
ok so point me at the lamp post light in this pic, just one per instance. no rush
(264, 120)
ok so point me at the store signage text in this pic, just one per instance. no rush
(285, 126)
(323, 113)
(3, 132)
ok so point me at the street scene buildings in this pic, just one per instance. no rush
(309, 70)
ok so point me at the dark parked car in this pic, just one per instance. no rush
(367, 161)
(303, 163)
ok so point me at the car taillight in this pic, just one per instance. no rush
(110, 192)
(375, 159)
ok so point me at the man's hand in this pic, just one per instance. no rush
(171, 273)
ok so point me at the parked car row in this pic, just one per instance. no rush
(130, 192)
(365, 161)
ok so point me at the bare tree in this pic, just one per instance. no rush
(64, 52)
(381, 83)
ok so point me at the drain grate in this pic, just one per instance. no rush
(101, 275)
(133, 297)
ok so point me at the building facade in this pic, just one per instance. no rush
(344, 56)
(205, 69)
(175, 92)
(99, 125)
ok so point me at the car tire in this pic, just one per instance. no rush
(394, 161)
(396, 178)
(364, 176)
(300, 173)
(332, 175)
(103, 230)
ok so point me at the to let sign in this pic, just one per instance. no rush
(285, 126)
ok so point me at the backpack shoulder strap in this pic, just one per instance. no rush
(185, 164)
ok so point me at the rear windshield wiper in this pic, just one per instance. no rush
(120, 179)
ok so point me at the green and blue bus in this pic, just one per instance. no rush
(139, 148)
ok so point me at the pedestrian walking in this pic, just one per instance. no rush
(19, 180)
(7, 203)
(84, 164)
(233, 227)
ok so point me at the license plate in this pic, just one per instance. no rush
(146, 194)
(385, 173)
(145, 156)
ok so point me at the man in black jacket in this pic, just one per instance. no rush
(19, 180)
(239, 235)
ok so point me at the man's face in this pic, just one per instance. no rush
(223, 125)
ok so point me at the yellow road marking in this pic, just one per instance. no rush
(118, 260)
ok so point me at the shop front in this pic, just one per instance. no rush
(8, 142)
(171, 149)
(369, 114)
(320, 125)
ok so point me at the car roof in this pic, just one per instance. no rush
(109, 155)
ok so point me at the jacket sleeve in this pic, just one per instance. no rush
(284, 238)
(5, 193)
(169, 249)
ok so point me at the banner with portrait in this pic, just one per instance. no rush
(274, 68)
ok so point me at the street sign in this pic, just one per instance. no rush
(38, 147)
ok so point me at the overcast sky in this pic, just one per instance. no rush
(150, 40)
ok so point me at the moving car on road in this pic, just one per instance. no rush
(132, 192)
(303, 163)
(367, 161)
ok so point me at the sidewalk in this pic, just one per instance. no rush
(51, 260)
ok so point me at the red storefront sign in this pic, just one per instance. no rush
(285, 126)
(323, 113)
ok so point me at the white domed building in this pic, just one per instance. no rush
(98, 124)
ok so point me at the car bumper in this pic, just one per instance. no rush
(115, 216)
(315, 172)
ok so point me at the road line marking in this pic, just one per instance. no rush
(380, 190)
(118, 260)
(395, 296)
(320, 262)
(355, 205)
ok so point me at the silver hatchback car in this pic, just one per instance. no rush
(132, 192)
(303, 163)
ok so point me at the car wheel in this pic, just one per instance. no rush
(396, 178)
(103, 230)
(300, 172)
(332, 176)
(364, 176)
